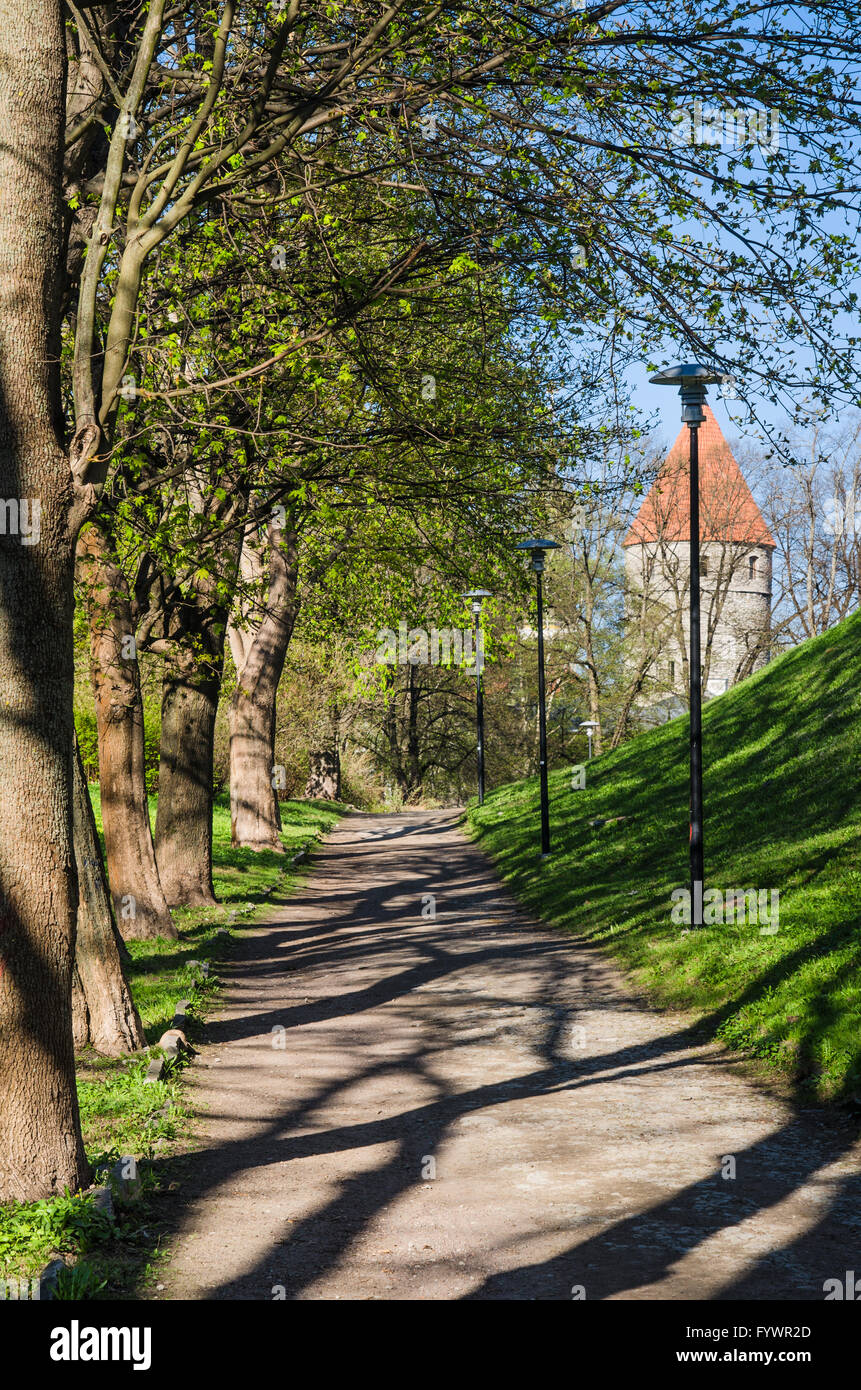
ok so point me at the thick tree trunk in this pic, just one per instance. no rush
(105, 1016)
(41, 1150)
(194, 624)
(254, 815)
(259, 650)
(139, 900)
(183, 825)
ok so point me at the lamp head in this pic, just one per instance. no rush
(535, 550)
(477, 596)
(692, 378)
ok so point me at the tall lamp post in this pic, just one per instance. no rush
(589, 726)
(477, 597)
(692, 379)
(536, 550)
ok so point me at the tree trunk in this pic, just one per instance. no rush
(633, 690)
(259, 650)
(183, 824)
(391, 730)
(80, 1013)
(139, 900)
(193, 624)
(591, 665)
(104, 1012)
(254, 816)
(41, 1150)
(324, 782)
(413, 752)
(595, 707)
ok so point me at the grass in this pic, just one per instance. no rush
(782, 812)
(120, 1115)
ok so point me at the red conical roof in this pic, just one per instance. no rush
(727, 509)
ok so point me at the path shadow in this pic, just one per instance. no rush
(627, 1255)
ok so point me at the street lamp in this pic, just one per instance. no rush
(692, 379)
(536, 551)
(589, 725)
(477, 597)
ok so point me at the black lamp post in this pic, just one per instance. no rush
(692, 379)
(477, 597)
(536, 551)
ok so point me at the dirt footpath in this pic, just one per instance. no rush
(402, 1106)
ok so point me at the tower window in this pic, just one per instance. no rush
(672, 671)
(704, 568)
(752, 566)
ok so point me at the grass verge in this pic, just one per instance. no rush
(120, 1115)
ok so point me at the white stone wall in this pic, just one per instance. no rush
(744, 616)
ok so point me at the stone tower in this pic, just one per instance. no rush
(736, 549)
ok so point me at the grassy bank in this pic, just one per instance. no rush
(783, 812)
(120, 1115)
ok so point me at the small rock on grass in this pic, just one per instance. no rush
(103, 1200)
(175, 1042)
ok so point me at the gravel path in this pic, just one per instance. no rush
(398, 1106)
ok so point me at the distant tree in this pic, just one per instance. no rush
(814, 512)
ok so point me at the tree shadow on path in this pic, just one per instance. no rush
(368, 928)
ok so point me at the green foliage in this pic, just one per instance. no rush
(80, 1282)
(117, 1106)
(152, 737)
(87, 731)
(69, 1225)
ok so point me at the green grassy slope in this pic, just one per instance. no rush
(783, 811)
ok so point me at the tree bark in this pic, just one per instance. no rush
(183, 825)
(413, 751)
(104, 1011)
(138, 896)
(324, 781)
(191, 617)
(41, 1149)
(259, 650)
(591, 664)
